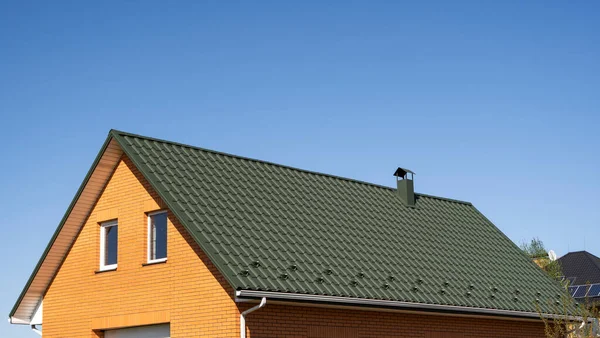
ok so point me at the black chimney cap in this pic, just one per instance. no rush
(401, 172)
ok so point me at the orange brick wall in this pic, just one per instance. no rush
(311, 322)
(183, 291)
(191, 294)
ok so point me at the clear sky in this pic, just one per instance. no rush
(494, 102)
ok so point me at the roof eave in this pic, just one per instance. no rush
(15, 320)
(393, 304)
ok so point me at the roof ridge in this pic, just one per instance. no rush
(580, 252)
(123, 133)
(447, 199)
(595, 260)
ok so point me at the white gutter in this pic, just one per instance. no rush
(263, 301)
(35, 329)
(393, 304)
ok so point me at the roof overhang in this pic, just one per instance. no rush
(88, 193)
(380, 304)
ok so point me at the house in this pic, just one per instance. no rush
(164, 239)
(582, 270)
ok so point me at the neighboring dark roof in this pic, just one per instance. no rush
(275, 228)
(582, 266)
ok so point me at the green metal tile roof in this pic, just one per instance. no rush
(275, 228)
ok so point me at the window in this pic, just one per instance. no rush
(157, 237)
(108, 245)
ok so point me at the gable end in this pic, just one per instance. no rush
(66, 232)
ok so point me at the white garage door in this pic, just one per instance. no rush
(152, 331)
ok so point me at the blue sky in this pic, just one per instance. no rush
(494, 102)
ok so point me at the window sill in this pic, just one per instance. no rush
(105, 270)
(155, 262)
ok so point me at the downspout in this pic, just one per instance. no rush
(263, 302)
(35, 329)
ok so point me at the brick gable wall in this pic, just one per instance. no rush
(187, 290)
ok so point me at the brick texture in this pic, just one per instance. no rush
(311, 322)
(196, 299)
(188, 292)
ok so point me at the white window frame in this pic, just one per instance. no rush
(103, 227)
(149, 237)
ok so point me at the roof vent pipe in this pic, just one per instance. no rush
(406, 187)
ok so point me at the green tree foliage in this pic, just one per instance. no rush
(535, 248)
(538, 253)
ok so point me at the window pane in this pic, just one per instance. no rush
(158, 239)
(110, 245)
